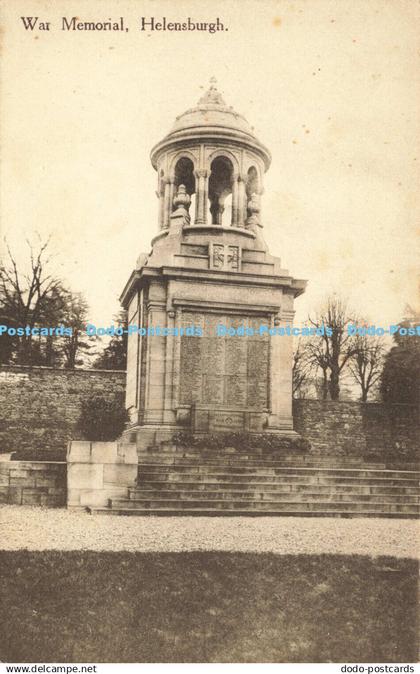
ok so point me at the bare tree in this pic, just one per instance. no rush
(319, 361)
(331, 351)
(302, 369)
(34, 298)
(366, 363)
(29, 298)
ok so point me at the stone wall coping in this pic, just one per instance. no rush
(368, 403)
(29, 463)
(101, 452)
(57, 369)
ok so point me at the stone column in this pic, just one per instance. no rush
(161, 196)
(176, 359)
(235, 200)
(169, 411)
(201, 197)
(155, 364)
(166, 205)
(168, 201)
(141, 348)
(280, 377)
(241, 200)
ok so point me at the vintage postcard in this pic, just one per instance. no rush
(209, 334)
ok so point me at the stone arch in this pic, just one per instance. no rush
(182, 154)
(184, 174)
(220, 188)
(184, 183)
(221, 152)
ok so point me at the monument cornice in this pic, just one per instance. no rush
(210, 134)
(140, 277)
(207, 306)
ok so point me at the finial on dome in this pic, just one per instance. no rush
(212, 96)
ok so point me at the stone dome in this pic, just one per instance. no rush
(211, 110)
(211, 118)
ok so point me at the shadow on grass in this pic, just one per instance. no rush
(206, 607)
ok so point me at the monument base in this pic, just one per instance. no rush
(164, 439)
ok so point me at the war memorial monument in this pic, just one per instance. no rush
(209, 271)
(210, 429)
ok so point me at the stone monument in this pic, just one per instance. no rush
(208, 274)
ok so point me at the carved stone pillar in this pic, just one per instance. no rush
(167, 203)
(253, 210)
(235, 201)
(171, 196)
(156, 365)
(242, 200)
(280, 379)
(161, 196)
(169, 416)
(201, 197)
(176, 366)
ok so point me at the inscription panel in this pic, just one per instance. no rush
(191, 357)
(225, 371)
(257, 376)
(213, 390)
(227, 421)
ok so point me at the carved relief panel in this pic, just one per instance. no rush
(225, 257)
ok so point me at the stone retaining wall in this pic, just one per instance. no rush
(33, 483)
(352, 428)
(40, 406)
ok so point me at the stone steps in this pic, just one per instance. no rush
(285, 460)
(288, 487)
(265, 471)
(277, 505)
(244, 488)
(254, 478)
(258, 496)
(245, 512)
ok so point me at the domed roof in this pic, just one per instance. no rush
(212, 118)
(212, 110)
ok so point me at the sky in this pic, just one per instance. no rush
(332, 89)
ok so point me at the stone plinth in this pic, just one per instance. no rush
(191, 375)
(98, 471)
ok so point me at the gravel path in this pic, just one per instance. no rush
(36, 528)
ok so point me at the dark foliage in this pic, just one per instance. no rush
(114, 355)
(400, 379)
(102, 419)
(241, 441)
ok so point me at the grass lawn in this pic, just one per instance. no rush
(206, 607)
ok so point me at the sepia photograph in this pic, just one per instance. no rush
(209, 334)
